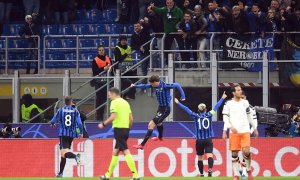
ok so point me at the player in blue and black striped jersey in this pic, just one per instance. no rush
(69, 120)
(204, 132)
(163, 96)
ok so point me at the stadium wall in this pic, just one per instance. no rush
(172, 157)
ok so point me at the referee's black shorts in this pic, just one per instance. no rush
(65, 142)
(121, 136)
(161, 114)
(204, 146)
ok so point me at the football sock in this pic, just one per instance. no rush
(70, 155)
(235, 165)
(160, 129)
(131, 165)
(62, 165)
(112, 165)
(148, 135)
(247, 159)
(200, 166)
(210, 162)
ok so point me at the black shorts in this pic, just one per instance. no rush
(204, 146)
(65, 142)
(161, 114)
(121, 136)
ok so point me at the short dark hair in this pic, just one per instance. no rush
(188, 12)
(100, 46)
(122, 38)
(256, 4)
(68, 100)
(114, 90)
(233, 87)
(154, 78)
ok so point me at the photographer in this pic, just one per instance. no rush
(8, 132)
(295, 125)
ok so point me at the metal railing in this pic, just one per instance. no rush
(7, 49)
(213, 71)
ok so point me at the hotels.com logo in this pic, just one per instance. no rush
(86, 150)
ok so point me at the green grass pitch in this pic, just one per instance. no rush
(158, 178)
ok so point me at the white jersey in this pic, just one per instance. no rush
(238, 115)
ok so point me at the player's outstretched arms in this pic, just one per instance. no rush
(54, 119)
(220, 102)
(179, 88)
(186, 109)
(141, 86)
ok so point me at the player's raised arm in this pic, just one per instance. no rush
(179, 88)
(183, 107)
(217, 106)
(141, 86)
(55, 117)
(78, 122)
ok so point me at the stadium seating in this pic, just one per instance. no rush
(50, 29)
(69, 43)
(88, 22)
(98, 29)
(20, 43)
(2, 44)
(113, 29)
(82, 29)
(15, 28)
(109, 15)
(94, 16)
(54, 43)
(87, 43)
(102, 41)
(80, 16)
(66, 29)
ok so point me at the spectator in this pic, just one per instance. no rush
(100, 64)
(123, 56)
(270, 24)
(64, 11)
(124, 12)
(239, 20)
(31, 28)
(32, 7)
(255, 19)
(141, 36)
(29, 109)
(5, 9)
(171, 15)
(215, 23)
(201, 30)
(187, 28)
(293, 24)
(154, 23)
(187, 6)
(275, 5)
(142, 7)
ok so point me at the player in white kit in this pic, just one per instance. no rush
(237, 116)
